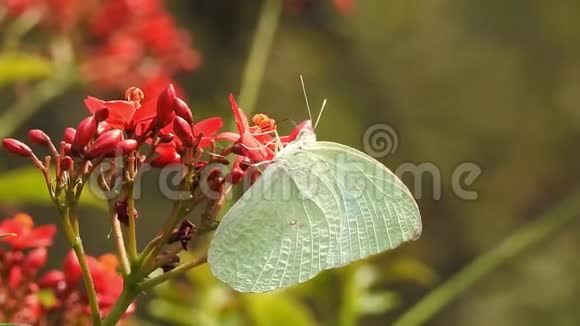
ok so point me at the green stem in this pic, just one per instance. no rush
(131, 230)
(258, 57)
(173, 273)
(130, 292)
(27, 105)
(518, 242)
(76, 243)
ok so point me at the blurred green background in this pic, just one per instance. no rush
(496, 83)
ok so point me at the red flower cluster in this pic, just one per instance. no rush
(26, 254)
(123, 41)
(21, 286)
(68, 290)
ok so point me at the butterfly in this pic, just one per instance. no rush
(318, 205)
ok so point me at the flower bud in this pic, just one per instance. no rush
(72, 269)
(85, 132)
(35, 259)
(38, 137)
(15, 277)
(67, 163)
(182, 110)
(66, 148)
(16, 147)
(128, 145)
(69, 135)
(235, 176)
(166, 137)
(165, 106)
(103, 127)
(101, 114)
(53, 279)
(105, 144)
(183, 130)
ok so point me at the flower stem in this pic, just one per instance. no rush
(519, 241)
(27, 105)
(77, 246)
(120, 242)
(173, 273)
(258, 57)
(131, 230)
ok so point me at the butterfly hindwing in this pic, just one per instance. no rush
(320, 205)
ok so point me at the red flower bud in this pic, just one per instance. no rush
(235, 176)
(67, 163)
(166, 137)
(105, 144)
(103, 126)
(182, 110)
(101, 114)
(183, 130)
(128, 145)
(35, 259)
(66, 147)
(85, 132)
(53, 279)
(38, 137)
(15, 277)
(72, 269)
(16, 147)
(166, 159)
(165, 106)
(69, 135)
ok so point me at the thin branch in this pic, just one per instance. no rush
(518, 242)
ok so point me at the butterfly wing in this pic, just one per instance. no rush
(319, 206)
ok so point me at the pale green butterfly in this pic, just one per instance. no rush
(318, 205)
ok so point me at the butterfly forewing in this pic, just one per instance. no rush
(320, 205)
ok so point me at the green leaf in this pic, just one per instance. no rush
(277, 309)
(27, 186)
(22, 66)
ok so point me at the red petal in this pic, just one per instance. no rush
(120, 112)
(241, 119)
(229, 136)
(208, 126)
(43, 235)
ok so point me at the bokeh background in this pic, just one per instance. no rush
(495, 82)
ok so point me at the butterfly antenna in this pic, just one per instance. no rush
(320, 114)
(305, 97)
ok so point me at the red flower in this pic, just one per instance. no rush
(124, 115)
(27, 236)
(254, 142)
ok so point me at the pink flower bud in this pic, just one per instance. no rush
(105, 144)
(69, 135)
(101, 114)
(182, 110)
(165, 106)
(35, 259)
(53, 279)
(128, 145)
(67, 163)
(38, 137)
(16, 147)
(85, 132)
(183, 130)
